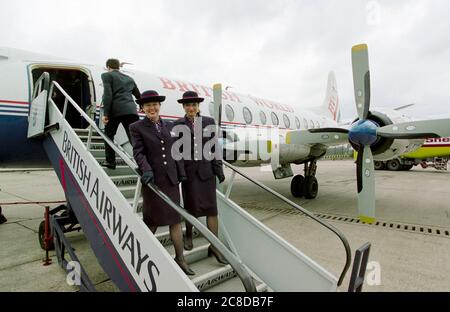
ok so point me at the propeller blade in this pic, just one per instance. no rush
(423, 129)
(317, 136)
(366, 185)
(361, 79)
(217, 98)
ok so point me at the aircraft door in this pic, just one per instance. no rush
(38, 107)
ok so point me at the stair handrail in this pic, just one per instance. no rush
(235, 263)
(336, 231)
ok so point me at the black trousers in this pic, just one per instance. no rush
(111, 129)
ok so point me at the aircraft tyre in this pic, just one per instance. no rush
(393, 165)
(41, 236)
(311, 187)
(297, 186)
(407, 167)
(378, 165)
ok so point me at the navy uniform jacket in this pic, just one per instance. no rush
(152, 150)
(199, 191)
(198, 165)
(118, 89)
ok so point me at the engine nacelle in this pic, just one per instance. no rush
(386, 148)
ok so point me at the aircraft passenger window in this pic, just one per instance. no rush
(247, 115)
(305, 122)
(311, 124)
(229, 112)
(275, 120)
(297, 123)
(263, 117)
(287, 121)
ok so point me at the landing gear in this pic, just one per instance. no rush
(407, 167)
(393, 165)
(378, 165)
(297, 185)
(311, 187)
(306, 186)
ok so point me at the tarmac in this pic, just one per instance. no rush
(410, 244)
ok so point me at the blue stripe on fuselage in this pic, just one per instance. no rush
(16, 149)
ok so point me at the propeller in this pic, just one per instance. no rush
(217, 99)
(364, 133)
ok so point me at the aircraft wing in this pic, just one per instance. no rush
(332, 136)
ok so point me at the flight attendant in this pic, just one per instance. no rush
(199, 190)
(152, 144)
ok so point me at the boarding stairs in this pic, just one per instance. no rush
(108, 206)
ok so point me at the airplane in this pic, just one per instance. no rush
(434, 152)
(298, 136)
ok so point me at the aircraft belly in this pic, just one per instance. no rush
(17, 150)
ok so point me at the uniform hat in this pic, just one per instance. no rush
(190, 97)
(150, 96)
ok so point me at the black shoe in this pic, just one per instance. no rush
(110, 165)
(219, 257)
(188, 245)
(2, 219)
(184, 266)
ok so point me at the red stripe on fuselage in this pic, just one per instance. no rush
(436, 145)
(14, 102)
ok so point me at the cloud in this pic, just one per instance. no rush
(280, 50)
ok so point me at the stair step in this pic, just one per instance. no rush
(210, 273)
(85, 131)
(120, 170)
(119, 161)
(97, 146)
(96, 139)
(163, 235)
(235, 285)
(122, 180)
(97, 152)
(127, 191)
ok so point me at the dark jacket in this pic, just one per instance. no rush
(152, 150)
(197, 164)
(118, 89)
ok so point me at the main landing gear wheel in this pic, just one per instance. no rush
(407, 167)
(311, 187)
(378, 165)
(393, 165)
(297, 185)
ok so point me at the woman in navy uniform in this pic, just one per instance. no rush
(152, 144)
(199, 190)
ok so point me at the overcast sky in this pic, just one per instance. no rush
(279, 50)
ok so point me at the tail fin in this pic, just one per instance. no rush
(331, 103)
